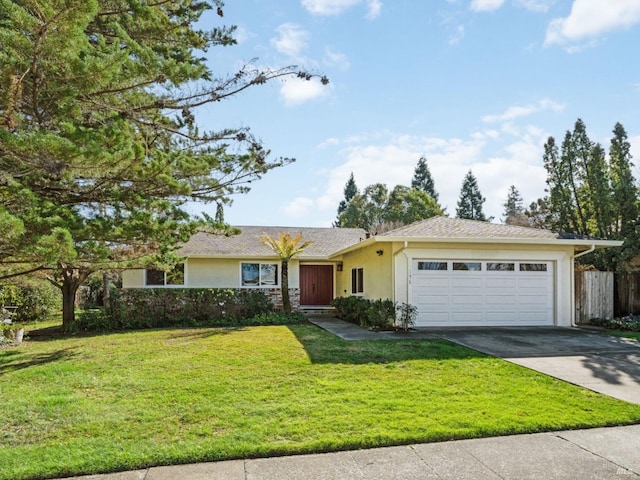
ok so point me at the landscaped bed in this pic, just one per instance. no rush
(77, 405)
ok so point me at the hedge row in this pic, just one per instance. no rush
(182, 307)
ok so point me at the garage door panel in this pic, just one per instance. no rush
(529, 282)
(500, 283)
(460, 282)
(432, 282)
(467, 318)
(500, 300)
(463, 299)
(486, 297)
(533, 300)
(433, 299)
(433, 318)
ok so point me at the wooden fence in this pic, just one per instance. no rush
(594, 295)
(627, 294)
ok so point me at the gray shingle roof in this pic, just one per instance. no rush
(248, 244)
(445, 227)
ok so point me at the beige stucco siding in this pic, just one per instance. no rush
(133, 278)
(213, 273)
(377, 271)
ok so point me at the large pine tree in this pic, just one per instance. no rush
(350, 191)
(588, 195)
(422, 179)
(99, 144)
(471, 200)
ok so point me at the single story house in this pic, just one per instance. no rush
(456, 272)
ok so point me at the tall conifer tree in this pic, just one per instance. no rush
(422, 179)
(471, 200)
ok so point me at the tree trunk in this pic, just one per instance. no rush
(72, 278)
(286, 301)
(69, 289)
(106, 292)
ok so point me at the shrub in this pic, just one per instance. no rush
(381, 314)
(629, 323)
(184, 307)
(407, 316)
(35, 299)
(351, 309)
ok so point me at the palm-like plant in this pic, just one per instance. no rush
(286, 248)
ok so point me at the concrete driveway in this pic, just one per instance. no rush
(594, 360)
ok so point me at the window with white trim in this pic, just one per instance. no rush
(357, 280)
(160, 278)
(257, 274)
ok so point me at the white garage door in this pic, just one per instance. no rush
(483, 293)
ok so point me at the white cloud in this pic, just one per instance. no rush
(370, 163)
(457, 35)
(535, 5)
(336, 59)
(374, 8)
(518, 111)
(336, 7)
(295, 91)
(485, 5)
(589, 19)
(496, 165)
(291, 40)
(299, 207)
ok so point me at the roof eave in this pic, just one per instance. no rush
(459, 240)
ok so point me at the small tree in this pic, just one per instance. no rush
(514, 209)
(286, 248)
(471, 200)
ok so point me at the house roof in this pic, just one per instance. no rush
(456, 230)
(325, 241)
(332, 242)
(445, 227)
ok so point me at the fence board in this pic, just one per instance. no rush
(594, 293)
(627, 294)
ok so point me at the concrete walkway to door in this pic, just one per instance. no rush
(588, 358)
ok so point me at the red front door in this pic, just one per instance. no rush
(316, 284)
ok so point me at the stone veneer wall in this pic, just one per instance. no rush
(275, 295)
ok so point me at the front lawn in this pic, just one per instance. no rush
(77, 405)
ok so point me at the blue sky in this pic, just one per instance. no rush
(469, 84)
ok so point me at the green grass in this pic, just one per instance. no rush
(624, 334)
(78, 405)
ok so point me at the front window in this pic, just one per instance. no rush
(357, 280)
(259, 274)
(160, 278)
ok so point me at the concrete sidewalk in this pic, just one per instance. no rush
(601, 453)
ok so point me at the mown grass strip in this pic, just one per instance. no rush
(103, 403)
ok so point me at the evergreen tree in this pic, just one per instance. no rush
(99, 144)
(376, 210)
(471, 200)
(590, 196)
(407, 205)
(422, 179)
(513, 209)
(624, 190)
(350, 191)
(624, 198)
